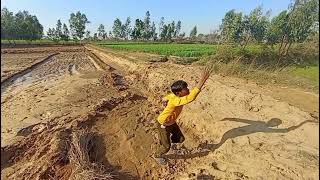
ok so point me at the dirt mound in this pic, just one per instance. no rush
(51, 150)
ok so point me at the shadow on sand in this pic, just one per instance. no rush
(252, 127)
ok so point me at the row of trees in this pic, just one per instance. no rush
(77, 26)
(143, 30)
(25, 26)
(289, 26)
(22, 25)
(59, 33)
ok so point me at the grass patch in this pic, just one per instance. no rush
(181, 50)
(292, 76)
(309, 72)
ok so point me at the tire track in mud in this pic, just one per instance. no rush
(98, 63)
(11, 80)
(100, 54)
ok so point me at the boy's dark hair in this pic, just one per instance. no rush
(178, 86)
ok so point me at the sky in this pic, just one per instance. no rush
(205, 14)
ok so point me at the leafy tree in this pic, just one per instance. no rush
(7, 24)
(127, 28)
(20, 26)
(294, 25)
(146, 26)
(170, 31)
(59, 29)
(137, 30)
(27, 26)
(277, 28)
(78, 23)
(232, 27)
(164, 32)
(51, 34)
(193, 32)
(177, 29)
(303, 16)
(255, 25)
(101, 32)
(65, 32)
(117, 29)
(153, 31)
(167, 31)
(161, 24)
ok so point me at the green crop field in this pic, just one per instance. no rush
(182, 50)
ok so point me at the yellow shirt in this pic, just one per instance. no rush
(175, 105)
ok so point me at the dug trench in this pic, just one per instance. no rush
(231, 132)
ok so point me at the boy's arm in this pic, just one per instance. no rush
(179, 101)
(205, 75)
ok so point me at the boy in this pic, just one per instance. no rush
(168, 129)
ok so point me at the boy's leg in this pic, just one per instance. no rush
(165, 144)
(177, 136)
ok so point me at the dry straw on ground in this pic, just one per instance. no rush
(79, 155)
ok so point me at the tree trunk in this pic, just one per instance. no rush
(287, 49)
(280, 48)
(247, 40)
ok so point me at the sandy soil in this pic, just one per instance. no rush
(13, 63)
(236, 129)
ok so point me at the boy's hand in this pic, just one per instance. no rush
(205, 75)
